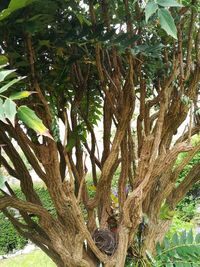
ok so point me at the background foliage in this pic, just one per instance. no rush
(9, 238)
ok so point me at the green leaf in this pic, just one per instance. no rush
(166, 213)
(2, 66)
(175, 239)
(2, 114)
(150, 9)
(14, 6)
(148, 50)
(190, 237)
(114, 199)
(8, 85)
(3, 60)
(197, 112)
(71, 143)
(166, 243)
(181, 250)
(169, 264)
(20, 95)
(197, 238)
(82, 19)
(29, 117)
(4, 74)
(185, 100)
(10, 110)
(183, 237)
(158, 249)
(167, 22)
(168, 3)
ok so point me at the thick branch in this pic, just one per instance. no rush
(190, 44)
(20, 169)
(179, 192)
(35, 83)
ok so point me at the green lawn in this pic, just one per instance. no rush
(34, 259)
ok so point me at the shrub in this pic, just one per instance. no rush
(186, 209)
(9, 238)
(182, 249)
(179, 225)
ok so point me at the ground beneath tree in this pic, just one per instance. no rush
(26, 250)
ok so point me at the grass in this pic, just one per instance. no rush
(34, 259)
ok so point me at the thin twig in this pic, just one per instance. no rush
(65, 152)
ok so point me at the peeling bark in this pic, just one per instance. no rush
(144, 153)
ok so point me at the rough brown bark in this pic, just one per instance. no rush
(145, 154)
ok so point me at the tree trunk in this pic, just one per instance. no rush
(153, 234)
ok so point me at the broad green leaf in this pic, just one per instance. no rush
(8, 85)
(158, 249)
(29, 117)
(20, 95)
(3, 60)
(166, 243)
(148, 50)
(2, 66)
(169, 264)
(82, 19)
(168, 3)
(167, 22)
(14, 6)
(150, 9)
(181, 250)
(2, 115)
(4, 74)
(190, 237)
(10, 110)
(197, 238)
(180, 264)
(175, 239)
(183, 237)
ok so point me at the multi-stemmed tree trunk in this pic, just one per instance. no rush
(80, 67)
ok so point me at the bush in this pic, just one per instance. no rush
(186, 209)
(42, 193)
(9, 238)
(183, 249)
(178, 225)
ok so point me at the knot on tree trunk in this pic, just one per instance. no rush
(105, 240)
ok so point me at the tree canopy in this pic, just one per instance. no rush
(135, 66)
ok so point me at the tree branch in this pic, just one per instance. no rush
(190, 44)
(178, 193)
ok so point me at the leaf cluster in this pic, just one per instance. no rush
(9, 109)
(182, 250)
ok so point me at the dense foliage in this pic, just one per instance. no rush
(9, 237)
(182, 249)
(130, 66)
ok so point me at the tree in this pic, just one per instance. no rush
(136, 65)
